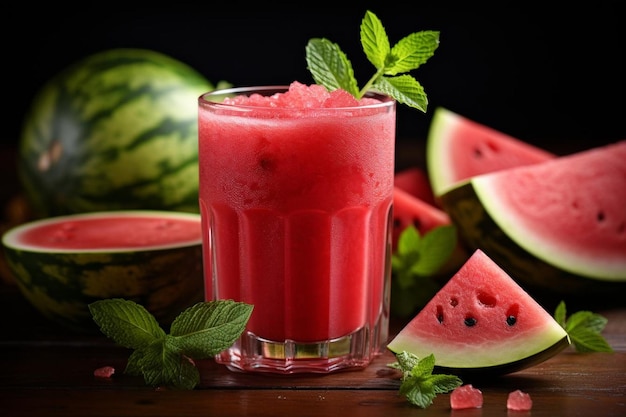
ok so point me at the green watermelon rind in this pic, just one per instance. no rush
(441, 127)
(165, 279)
(544, 248)
(463, 361)
(116, 130)
(491, 345)
(478, 230)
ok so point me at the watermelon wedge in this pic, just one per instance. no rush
(458, 148)
(414, 181)
(559, 225)
(482, 322)
(409, 210)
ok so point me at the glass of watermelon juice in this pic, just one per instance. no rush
(296, 189)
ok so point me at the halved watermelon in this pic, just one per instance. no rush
(559, 225)
(458, 148)
(482, 322)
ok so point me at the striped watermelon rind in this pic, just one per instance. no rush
(61, 284)
(484, 222)
(116, 130)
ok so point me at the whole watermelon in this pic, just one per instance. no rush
(115, 130)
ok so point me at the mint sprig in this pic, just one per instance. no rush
(331, 68)
(584, 329)
(415, 262)
(199, 332)
(419, 385)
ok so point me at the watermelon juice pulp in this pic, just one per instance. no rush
(295, 206)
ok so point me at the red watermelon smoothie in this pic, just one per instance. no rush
(296, 190)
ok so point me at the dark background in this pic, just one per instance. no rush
(547, 77)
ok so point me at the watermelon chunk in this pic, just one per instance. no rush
(458, 148)
(466, 396)
(559, 225)
(482, 322)
(519, 401)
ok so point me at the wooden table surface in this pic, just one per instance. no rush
(46, 370)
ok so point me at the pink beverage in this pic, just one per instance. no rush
(296, 197)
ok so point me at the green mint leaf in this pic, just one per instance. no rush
(404, 89)
(408, 241)
(329, 66)
(435, 249)
(419, 393)
(425, 255)
(206, 329)
(374, 40)
(406, 361)
(587, 320)
(424, 367)
(415, 263)
(587, 340)
(161, 364)
(583, 329)
(200, 331)
(126, 322)
(412, 51)
(443, 384)
(419, 385)
(560, 314)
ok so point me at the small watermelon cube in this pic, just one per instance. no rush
(519, 401)
(466, 396)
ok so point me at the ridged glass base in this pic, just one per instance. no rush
(255, 354)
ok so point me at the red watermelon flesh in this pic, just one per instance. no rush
(409, 210)
(466, 396)
(569, 212)
(458, 148)
(414, 181)
(482, 321)
(519, 400)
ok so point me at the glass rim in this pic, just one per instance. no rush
(385, 100)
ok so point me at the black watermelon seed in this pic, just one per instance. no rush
(470, 321)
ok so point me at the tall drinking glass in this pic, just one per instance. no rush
(296, 211)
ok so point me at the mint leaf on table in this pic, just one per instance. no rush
(199, 332)
(584, 329)
(331, 68)
(419, 385)
(414, 263)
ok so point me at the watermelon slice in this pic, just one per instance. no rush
(482, 322)
(559, 225)
(458, 148)
(409, 210)
(414, 181)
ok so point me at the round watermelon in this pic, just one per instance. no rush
(557, 226)
(115, 130)
(458, 148)
(62, 264)
(481, 322)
